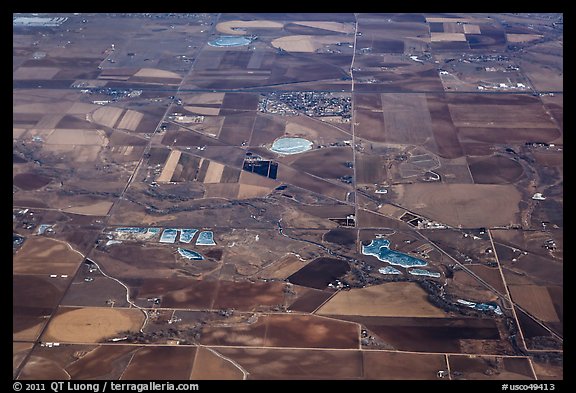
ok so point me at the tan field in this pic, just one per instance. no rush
(205, 98)
(29, 334)
(62, 136)
(156, 73)
(472, 29)
(43, 108)
(214, 173)
(49, 121)
(18, 132)
(522, 37)
(395, 299)
(208, 365)
(222, 190)
(91, 325)
(39, 367)
(437, 37)
(283, 268)
(235, 26)
(252, 179)
(448, 20)
(130, 120)
(96, 209)
(107, 116)
(536, 300)
(469, 205)
(169, 166)
(35, 73)
(305, 43)
(332, 26)
(80, 108)
(19, 351)
(76, 153)
(391, 211)
(248, 191)
(202, 110)
(40, 255)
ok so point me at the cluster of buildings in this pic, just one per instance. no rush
(317, 104)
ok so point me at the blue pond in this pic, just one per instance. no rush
(489, 306)
(230, 40)
(380, 248)
(131, 230)
(169, 235)
(389, 270)
(205, 238)
(186, 235)
(424, 272)
(190, 254)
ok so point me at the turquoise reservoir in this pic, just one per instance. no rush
(190, 254)
(380, 248)
(291, 145)
(230, 40)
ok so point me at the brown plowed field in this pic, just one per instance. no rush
(279, 330)
(91, 324)
(469, 205)
(301, 364)
(396, 365)
(161, 363)
(30, 181)
(536, 300)
(391, 299)
(102, 362)
(490, 367)
(41, 255)
(208, 365)
(495, 170)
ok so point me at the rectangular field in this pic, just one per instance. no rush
(40, 255)
(214, 172)
(536, 300)
(62, 136)
(176, 363)
(169, 166)
(130, 120)
(390, 299)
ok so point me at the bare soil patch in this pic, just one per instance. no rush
(102, 362)
(91, 324)
(391, 365)
(402, 299)
(176, 363)
(208, 365)
(536, 300)
(283, 364)
(469, 205)
(31, 181)
(41, 255)
(236, 27)
(494, 170)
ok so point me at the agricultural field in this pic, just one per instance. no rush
(272, 196)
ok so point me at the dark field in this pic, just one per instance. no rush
(431, 130)
(341, 236)
(428, 334)
(495, 170)
(30, 181)
(490, 367)
(310, 301)
(320, 272)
